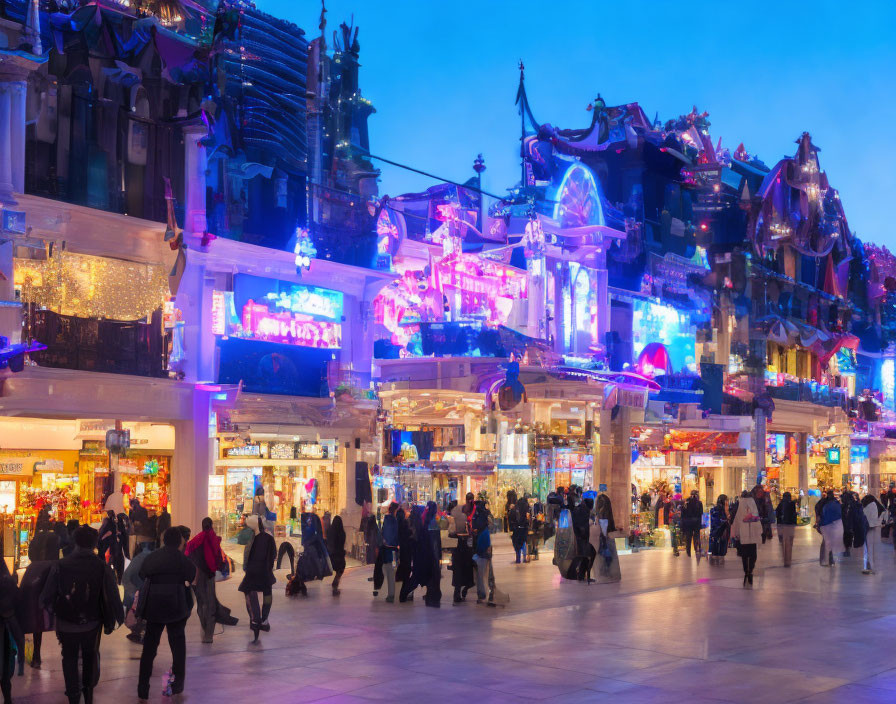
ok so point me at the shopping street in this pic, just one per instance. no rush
(670, 630)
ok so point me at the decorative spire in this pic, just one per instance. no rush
(322, 26)
(31, 32)
(523, 102)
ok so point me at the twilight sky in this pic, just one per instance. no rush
(443, 77)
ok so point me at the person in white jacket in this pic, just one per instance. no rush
(747, 530)
(875, 513)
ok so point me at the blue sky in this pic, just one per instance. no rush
(443, 76)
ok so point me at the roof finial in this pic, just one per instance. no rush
(522, 71)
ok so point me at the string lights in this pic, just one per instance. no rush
(92, 287)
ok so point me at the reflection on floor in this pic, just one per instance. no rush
(672, 630)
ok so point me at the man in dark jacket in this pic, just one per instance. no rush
(166, 605)
(83, 593)
(692, 522)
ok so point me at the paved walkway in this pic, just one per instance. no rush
(672, 630)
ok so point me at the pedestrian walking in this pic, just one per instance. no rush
(70, 527)
(746, 529)
(462, 568)
(785, 514)
(142, 527)
(336, 548)
(518, 522)
(692, 523)
(719, 529)
(602, 543)
(766, 511)
(109, 544)
(82, 593)
(485, 575)
(165, 604)
(389, 549)
(259, 506)
(258, 566)
(830, 525)
(851, 515)
(407, 547)
(874, 514)
(9, 630)
(162, 523)
(204, 550)
(33, 618)
(132, 583)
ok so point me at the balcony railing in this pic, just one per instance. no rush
(810, 392)
(89, 344)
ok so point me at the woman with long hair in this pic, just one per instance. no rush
(258, 565)
(875, 513)
(719, 529)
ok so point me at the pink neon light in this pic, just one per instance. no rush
(259, 323)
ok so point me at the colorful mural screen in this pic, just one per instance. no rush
(270, 310)
(656, 324)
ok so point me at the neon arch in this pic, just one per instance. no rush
(578, 201)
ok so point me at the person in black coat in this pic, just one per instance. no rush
(581, 528)
(518, 522)
(691, 523)
(406, 549)
(33, 618)
(9, 598)
(258, 565)
(82, 593)
(336, 548)
(719, 528)
(166, 606)
(853, 527)
(111, 543)
(421, 566)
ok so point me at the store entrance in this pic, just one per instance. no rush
(60, 470)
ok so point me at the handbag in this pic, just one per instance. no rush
(225, 571)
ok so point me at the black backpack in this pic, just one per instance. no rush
(80, 591)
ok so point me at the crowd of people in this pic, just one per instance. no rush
(76, 576)
(843, 521)
(71, 585)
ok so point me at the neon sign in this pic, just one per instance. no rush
(259, 323)
(218, 313)
(316, 303)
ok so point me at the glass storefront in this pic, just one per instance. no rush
(61, 468)
(297, 477)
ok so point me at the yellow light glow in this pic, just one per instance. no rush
(92, 287)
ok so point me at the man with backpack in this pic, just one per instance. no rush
(83, 593)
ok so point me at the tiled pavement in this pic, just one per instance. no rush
(672, 630)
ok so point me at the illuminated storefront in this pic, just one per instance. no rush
(62, 467)
(297, 477)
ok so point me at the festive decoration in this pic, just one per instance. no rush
(92, 287)
(304, 250)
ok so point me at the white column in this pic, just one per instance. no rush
(195, 165)
(6, 149)
(17, 134)
(194, 460)
(602, 291)
(10, 317)
(194, 298)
